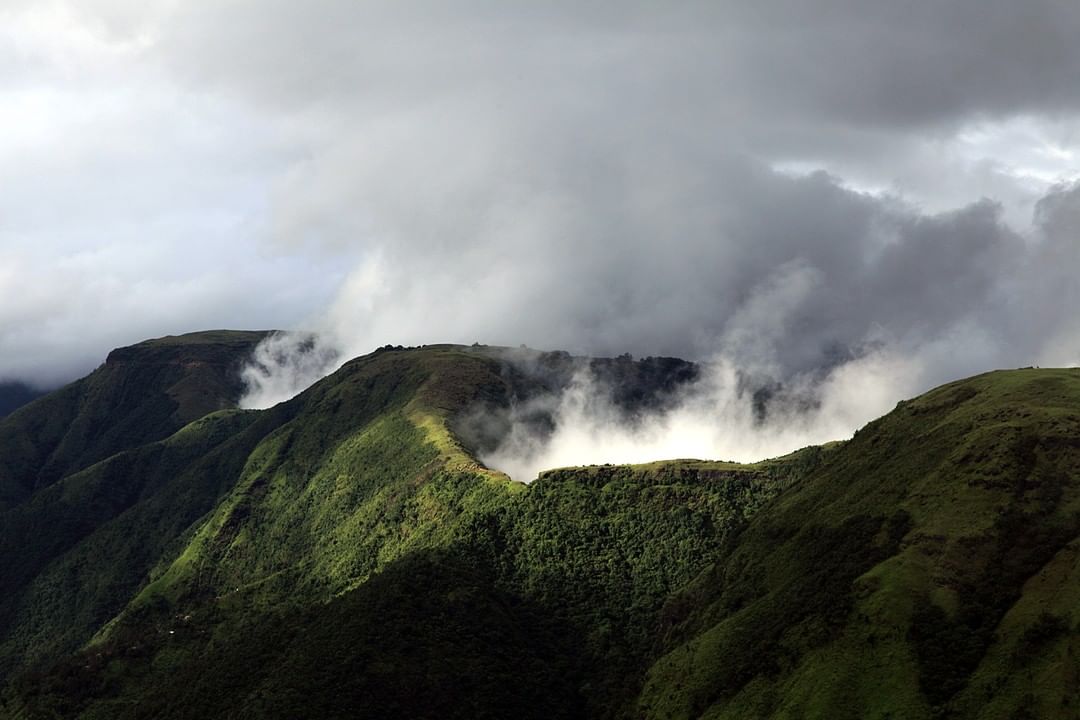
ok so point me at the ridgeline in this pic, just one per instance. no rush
(344, 554)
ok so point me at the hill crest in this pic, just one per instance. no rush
(922, 568)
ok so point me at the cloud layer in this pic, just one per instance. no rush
(786, 186)
(713, 418)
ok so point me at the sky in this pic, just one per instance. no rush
(792, 186)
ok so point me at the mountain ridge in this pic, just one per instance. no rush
(142, 393)
(925, 547)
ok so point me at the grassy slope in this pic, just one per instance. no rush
(97, 491)
(539, 606)
(363, 474)
(141, 394)
(361, 564)
(76, 552)
(927, 567)
(360, 496)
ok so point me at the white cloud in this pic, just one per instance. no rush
(715, 419)
(595, 177)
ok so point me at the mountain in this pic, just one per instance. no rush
(928, 568)
(141, 394)
(344, 554)
(95, 482)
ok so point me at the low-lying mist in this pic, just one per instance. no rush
(284, 364)
(811, 309)
(581, 412)
(724, 415)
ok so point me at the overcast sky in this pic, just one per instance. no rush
(788, 183)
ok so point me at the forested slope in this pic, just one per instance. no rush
(344, 555)
(927, 569)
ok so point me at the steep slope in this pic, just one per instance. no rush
(74, 554)
(927, 568)
(77, 551)
(541, 605)
(358, 487)
(602, 549)
(366, 471)
(81, 539)
(141, 394)
(344, 555)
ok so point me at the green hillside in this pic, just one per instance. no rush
(141, 394)
(75, 551)
(344, 555)
(927, 569)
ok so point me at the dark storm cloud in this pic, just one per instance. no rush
(904, 64)
(783, 271)
(604, 177)
(598, 176)
(864, 63)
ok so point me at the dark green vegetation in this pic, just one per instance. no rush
(344, 555)
(928, 568)
(141, 394)
(90, 500)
